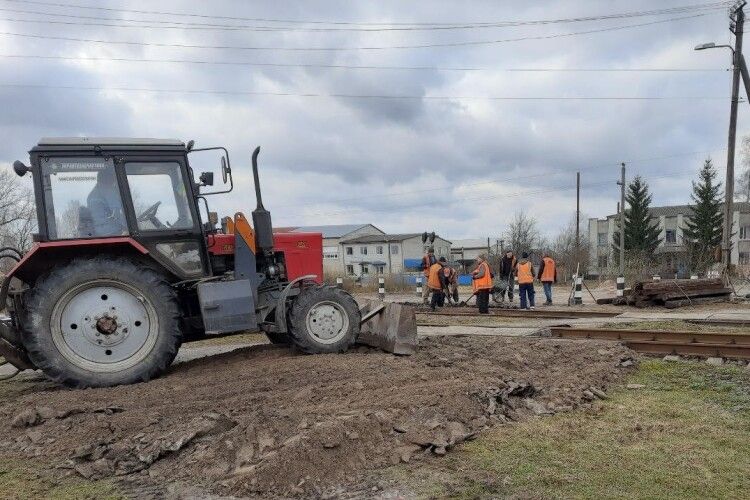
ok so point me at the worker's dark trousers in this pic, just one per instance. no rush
(483, 301)
(526, 290)
(547, 291)
(438, 299)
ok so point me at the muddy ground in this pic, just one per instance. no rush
(268, 422)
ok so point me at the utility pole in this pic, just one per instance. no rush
(578, 214)
(621, 183)
(738, 16)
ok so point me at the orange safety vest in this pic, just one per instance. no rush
(485, 282)
(548, 275)
(525, 276)
(434, 279)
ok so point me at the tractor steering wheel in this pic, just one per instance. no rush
(150, 215)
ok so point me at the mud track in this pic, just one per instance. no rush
(266, 421)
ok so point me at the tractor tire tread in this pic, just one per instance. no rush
(37, 338)
(297, 319)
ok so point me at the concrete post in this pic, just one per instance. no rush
(340, 282)
(419, 286)
(620, 286)
(381, 288)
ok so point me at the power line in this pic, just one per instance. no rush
(339, 49)
(443, 202)
(364, 67)
(412, 192)
(362, 96)
(671, 10)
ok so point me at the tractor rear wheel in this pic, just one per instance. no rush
(102, 322)
(324, 319)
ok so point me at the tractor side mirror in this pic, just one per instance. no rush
(20, 169)
(225, 169)
(207, 178)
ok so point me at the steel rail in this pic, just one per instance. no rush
(725, 345)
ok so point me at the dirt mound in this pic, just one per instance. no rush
(265, 421)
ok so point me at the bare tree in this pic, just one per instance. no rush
(522, 234)
(17, 213)
(564, 250)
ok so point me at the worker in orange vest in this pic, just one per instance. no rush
(482, 284)
(547, 275)
(436, 284)
(525, 278)
(427, 261)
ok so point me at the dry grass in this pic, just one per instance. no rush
(682, 436)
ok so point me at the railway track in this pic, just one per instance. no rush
(723, 345)
(518, 313)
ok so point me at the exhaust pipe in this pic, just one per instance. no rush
(261, 216)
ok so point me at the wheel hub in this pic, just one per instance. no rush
(104, 325)
(327, 322)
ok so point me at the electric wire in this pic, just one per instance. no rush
(363, 67)
(362, 96)
(467, 43)
(502, 178)
(669, 10)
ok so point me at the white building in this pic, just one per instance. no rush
(388, 253)
(672, 221)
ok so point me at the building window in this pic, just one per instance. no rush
(349, 251)
(744, 258)
(349, 269)
(394, 249)
(363, 250)
(380, 269)
(745, 232)
(602, 240)
(602, 261)
(365, 269)
(330, 252)
(379, 249)
(670, 237)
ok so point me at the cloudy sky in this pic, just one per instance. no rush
(447, 150)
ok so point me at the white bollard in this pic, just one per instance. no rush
(381, 288)
(657, 277)
(578, 294)
(340, 282)
(419, 286)
(620, 286)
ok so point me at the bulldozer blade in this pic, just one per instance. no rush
(391, 327)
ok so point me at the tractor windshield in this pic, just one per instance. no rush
(82, 198)
(159, 196)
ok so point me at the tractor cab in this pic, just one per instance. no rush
(121, 188)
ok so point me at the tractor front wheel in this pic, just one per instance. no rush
(324, 319)
(102, 322)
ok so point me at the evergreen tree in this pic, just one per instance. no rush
(641, 234)
(704, 228)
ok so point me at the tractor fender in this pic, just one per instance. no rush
(281, 302)
(39, 259)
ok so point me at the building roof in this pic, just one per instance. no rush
(674, 210)
(381, 238)
(470, 243)
(328, 231)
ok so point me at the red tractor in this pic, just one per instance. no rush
(124, 270)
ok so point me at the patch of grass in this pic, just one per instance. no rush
(685, 435)
(24, 479)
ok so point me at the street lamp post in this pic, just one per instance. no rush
(737, 68)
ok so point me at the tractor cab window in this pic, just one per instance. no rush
(159, 196)
(82, 198)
